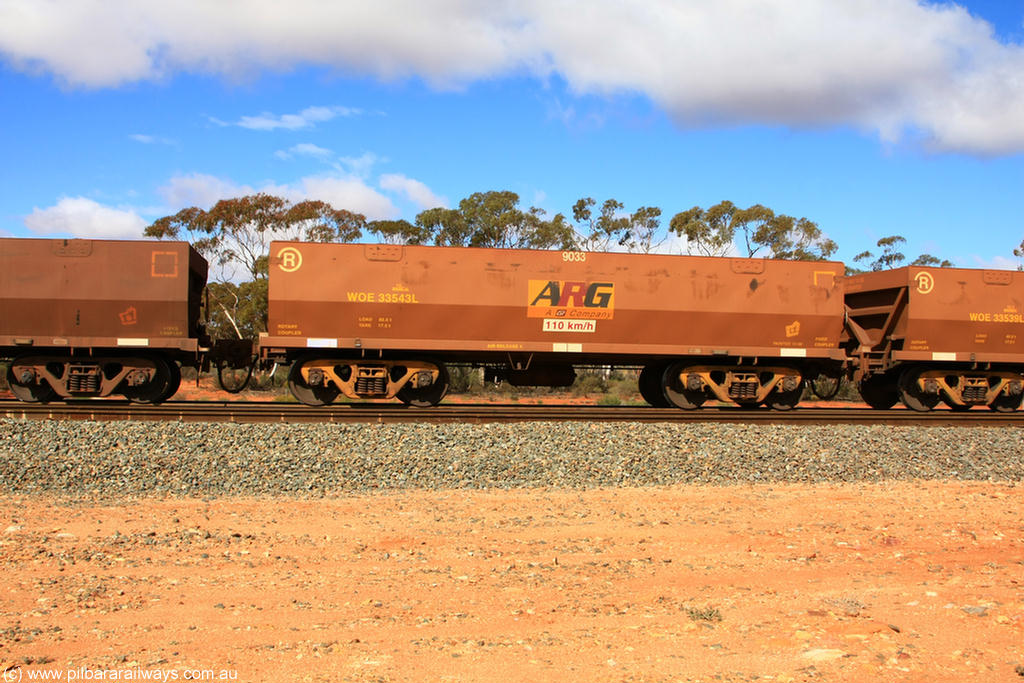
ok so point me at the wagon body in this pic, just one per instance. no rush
(87, 318)
(929, 334)
(942, 314)
(738, 329)
(478, 302)
(99, 293)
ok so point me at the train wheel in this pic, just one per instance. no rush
(29, 393)
(311, 396)
(156, 390)
(676, 393)
(649, 384)
(234, 380)
(173, 383)
(427, 396)
(785, 400)
(879, 392)
(912, 395)
(1004, 403)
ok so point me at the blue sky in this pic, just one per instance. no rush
(869, 117)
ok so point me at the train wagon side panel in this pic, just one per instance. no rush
(950, 314)
(929, 335)
(500, 300)
(85, 293)
(964, 315)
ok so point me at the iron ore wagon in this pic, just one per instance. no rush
(82, 318)
(925, 335)
(383, 321)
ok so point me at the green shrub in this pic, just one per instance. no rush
(589, 382)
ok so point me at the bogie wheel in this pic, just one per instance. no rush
(155, 390)
(879, 392)
(785, 400)
(430, 395)
(304, 393)
(234, 380)
(912, 395)
(1004, 403)
(173, 383)
(29, 393)
(676, 393)
(649, 384)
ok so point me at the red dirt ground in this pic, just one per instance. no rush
(885, 582)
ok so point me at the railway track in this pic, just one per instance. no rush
(252, 412)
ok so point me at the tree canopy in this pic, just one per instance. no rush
(236, 233)
(720, 229)
(611, 226)
(399, 232)
(494, 219)
(892, 257)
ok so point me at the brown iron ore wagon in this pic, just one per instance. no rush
(383, 321)
(82, 318)
(925, 335)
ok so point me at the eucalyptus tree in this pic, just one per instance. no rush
(725, 229)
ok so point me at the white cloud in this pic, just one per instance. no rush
(348, 192)
(307, 118)
(82, 217)
(674, 244)
(305, 149)
(340, 191)
(151, 139)
(414, 190)
(900, 68)
(201, 190)
(995, 263)
(358, 166)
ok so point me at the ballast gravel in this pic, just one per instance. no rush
(115, 459)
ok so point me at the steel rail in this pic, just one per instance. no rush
(253, 412)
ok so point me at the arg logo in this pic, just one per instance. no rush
(568, 299)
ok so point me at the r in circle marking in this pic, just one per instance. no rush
(925, 282)
(289, 259)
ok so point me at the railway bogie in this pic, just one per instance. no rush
(51, 376)
(922, 388)
(316, 380)
(689, 386)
